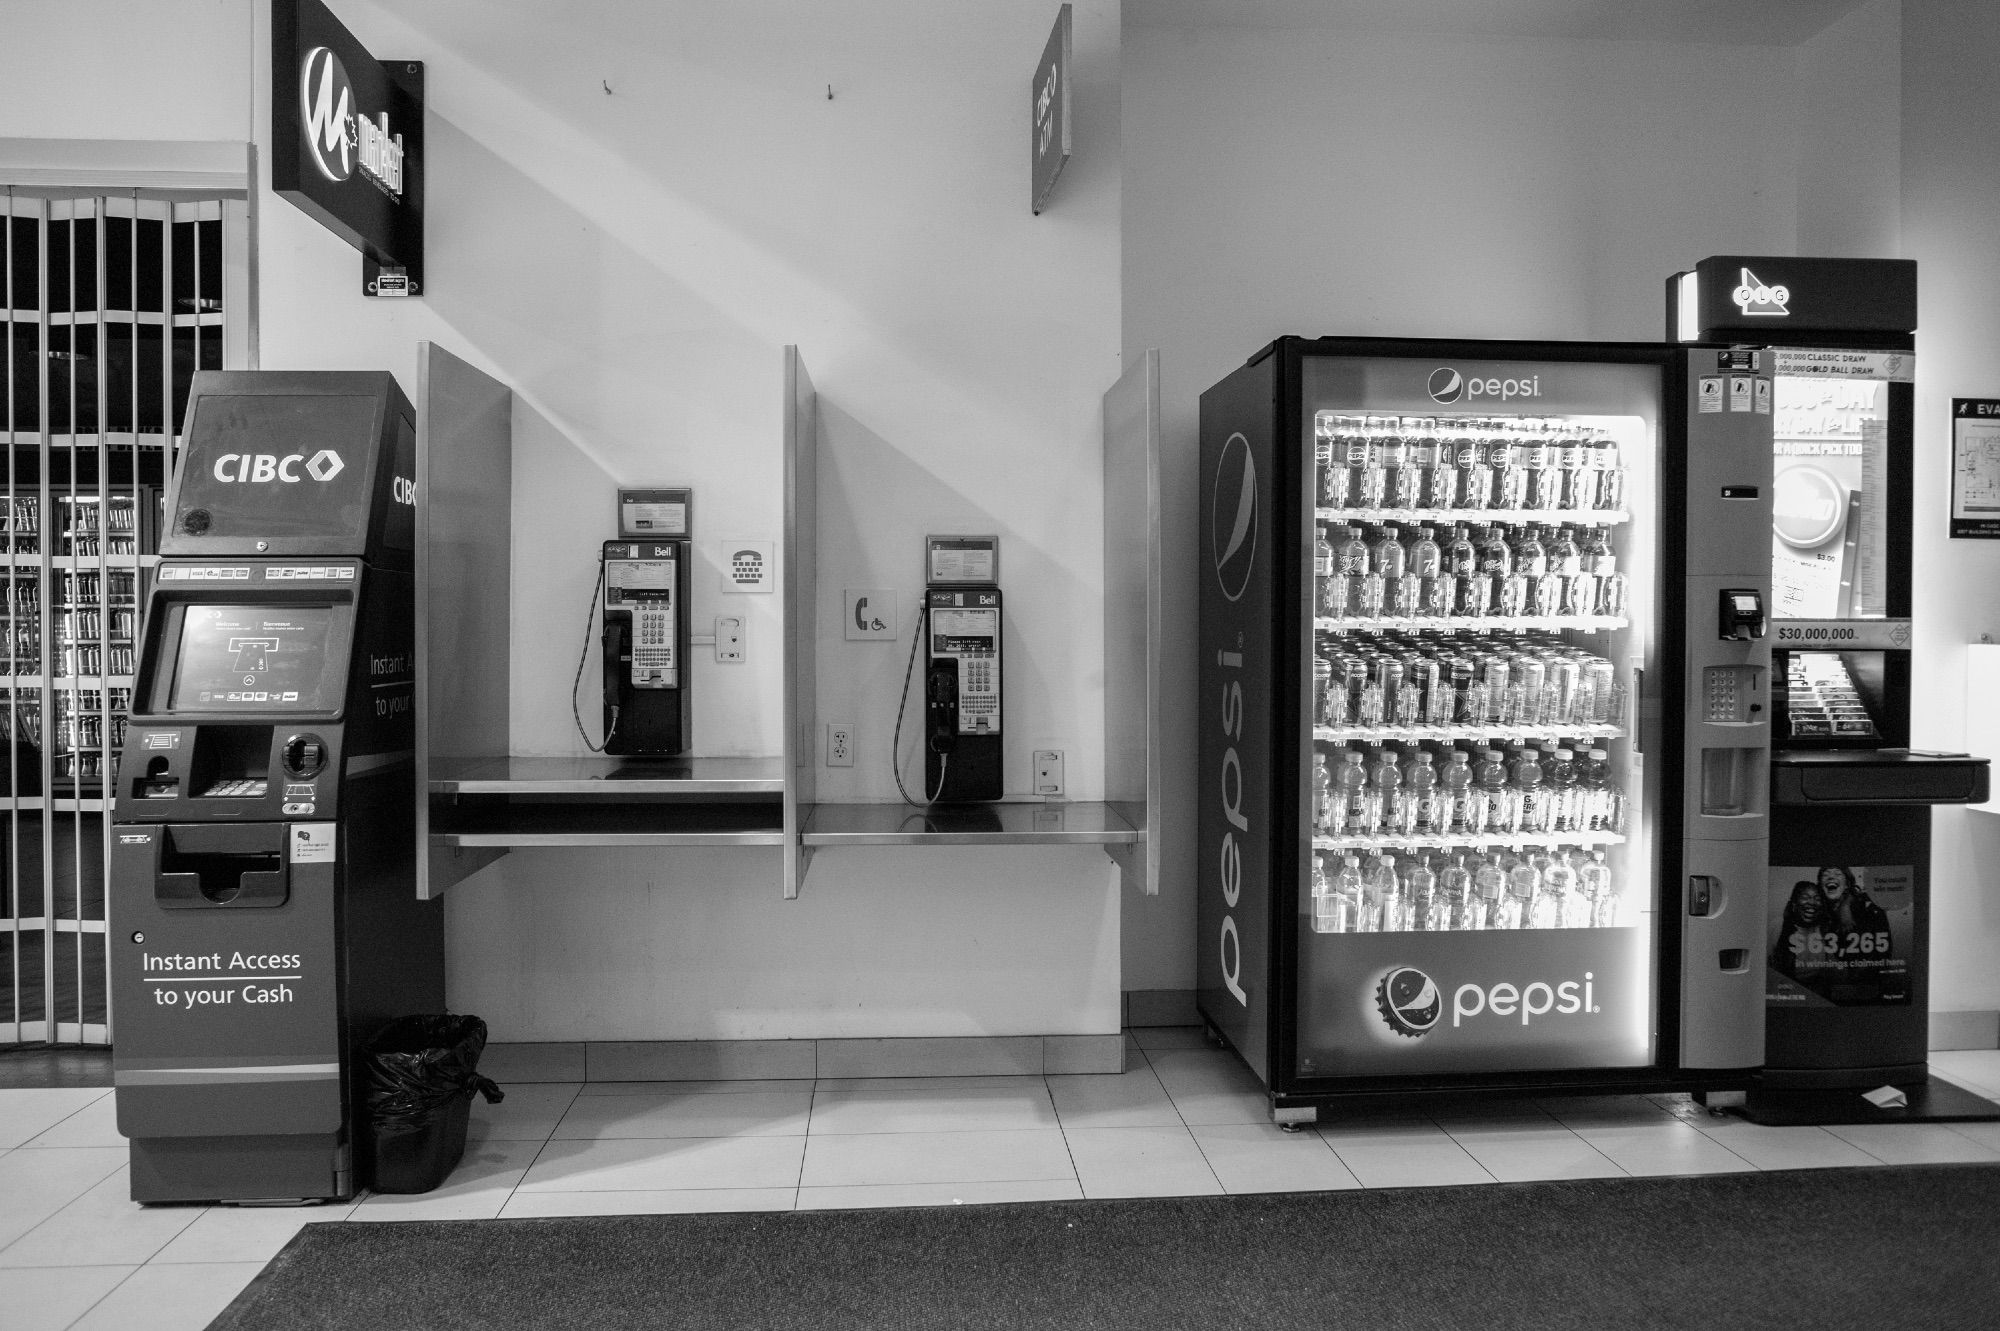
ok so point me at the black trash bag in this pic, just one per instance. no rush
(419, 1075)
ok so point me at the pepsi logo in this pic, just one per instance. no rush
(1409, 1002)
(326, 104)
(1233, 520)
(1446, 385)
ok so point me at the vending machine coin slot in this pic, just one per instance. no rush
(1701, 894)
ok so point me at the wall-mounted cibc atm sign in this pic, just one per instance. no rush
(347, 142)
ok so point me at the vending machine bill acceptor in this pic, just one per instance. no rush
(263, 914)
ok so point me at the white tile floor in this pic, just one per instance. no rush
(1184, 1119)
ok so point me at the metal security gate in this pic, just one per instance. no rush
(110, 303)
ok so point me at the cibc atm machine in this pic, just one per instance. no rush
(263, 914)
(1847, 937)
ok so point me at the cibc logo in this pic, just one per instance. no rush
(257, 468)
(1233, 521)
(1758, 298)
(326, 103)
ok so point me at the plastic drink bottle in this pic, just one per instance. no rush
(1322, 799)
(1491, 793)
(1464, 909)
(1524, 885)
(1423, 811)
(1594, 879)
(1420, 885)
(1558, 885)
(1563, 793)
(1325, 601)
(1531, 797)
(1390, 564)
(1503, 462)
(1574, 593)
(1323, 491)
(1496, 566)
(1360, 445)
(1350, 782)
(1346, 895)
(1610, 477)
(1430, 595)
(1471, 479)
(1425, 450)
(1537, 481)
(1489, 882)
(1324, 916)
(1385, 896)
(1394, 459)
(1461, 566)
(1570, 450)
(1563, 884)
(1456, 811)
(1385, 788)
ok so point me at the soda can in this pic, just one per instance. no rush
(1426, 674)
(1493, 674)
(1354, 686)
(1390, 675)
(1533, 673)
(1601, 675)
(1565, 673)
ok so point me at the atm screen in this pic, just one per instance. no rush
(251, 658)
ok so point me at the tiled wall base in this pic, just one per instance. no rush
(1160, 1007)
(1965, 1030)
(749, 1060)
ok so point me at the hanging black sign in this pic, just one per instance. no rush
(347, 142)
(1049, 113)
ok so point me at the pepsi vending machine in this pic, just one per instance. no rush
(1485, 719)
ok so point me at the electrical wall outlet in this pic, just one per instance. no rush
(729, 638)
(839, 744)
(1048, 772)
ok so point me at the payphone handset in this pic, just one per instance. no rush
(958, 626)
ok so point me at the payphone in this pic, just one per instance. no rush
(643, 577)
(959, 630)
(264, 921)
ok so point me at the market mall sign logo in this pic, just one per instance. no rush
(1411, 1003)
(339, 137)
(1447, 385)
(1234, 508)
(1757, 298)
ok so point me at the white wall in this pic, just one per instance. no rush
(632, 260)
(1316, 180)
(1850, 88)
(1951, 198)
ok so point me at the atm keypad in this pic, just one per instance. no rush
(237, 790)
